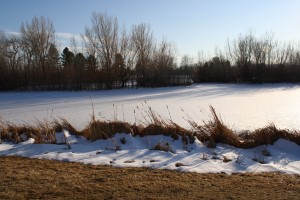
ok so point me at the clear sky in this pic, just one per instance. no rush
(193, 25)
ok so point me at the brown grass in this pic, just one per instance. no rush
(211, 132)
(104, 130)
(269, 135)
(216, 132)
(23, 178)
(42, 132)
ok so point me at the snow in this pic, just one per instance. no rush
(241, 107)
(138, 152)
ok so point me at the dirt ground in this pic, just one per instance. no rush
(23, 178)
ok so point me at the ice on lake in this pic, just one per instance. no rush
(241, 106)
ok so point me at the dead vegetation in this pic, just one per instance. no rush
(23, 178)
(210, 132)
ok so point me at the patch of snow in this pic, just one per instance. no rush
(138, 152)
(241, 106)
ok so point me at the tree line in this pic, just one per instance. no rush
(110, 57)
(252, 59)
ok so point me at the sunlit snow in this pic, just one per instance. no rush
(138, 152)
(240, 106)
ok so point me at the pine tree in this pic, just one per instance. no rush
(122, 72)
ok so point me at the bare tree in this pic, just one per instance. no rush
(186, 61)
(2, 43)
(201, 58)
(103, 37)
(240, 53)
(89, 43)
(36, 39)
(74, 45)
(163, 63)
(126, 48)
(143, 42)
(124, 59)
(13, 52)
(283, 54)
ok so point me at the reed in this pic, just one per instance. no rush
(210, 132)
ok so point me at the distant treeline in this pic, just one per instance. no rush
(112, 58)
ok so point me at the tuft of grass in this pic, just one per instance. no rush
(65, 124)
(215, 131)
(104, 130)
(268, 135)
(155, 124)
(45, 133)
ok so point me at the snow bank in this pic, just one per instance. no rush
(283, 156)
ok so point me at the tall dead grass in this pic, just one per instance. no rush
(210, 132)
(215, 131)
(104, 130)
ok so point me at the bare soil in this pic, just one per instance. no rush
(23, 178)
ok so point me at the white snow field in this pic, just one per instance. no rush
(240, 106)
(136, 152)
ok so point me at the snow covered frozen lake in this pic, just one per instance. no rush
(241, 106)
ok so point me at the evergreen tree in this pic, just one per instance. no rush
(79, 66)
(53, 66)
(67, 57)
(122, 72)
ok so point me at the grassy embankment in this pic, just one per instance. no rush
(23, 178)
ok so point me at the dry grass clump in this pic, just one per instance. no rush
(65, 124)
(214, 131)
(42, 132)
(268, 135)
(104, 130)
(211, 132)
(171, 129)
(154, 124)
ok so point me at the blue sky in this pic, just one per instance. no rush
(193, 25)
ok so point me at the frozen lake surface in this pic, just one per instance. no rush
(240, 106)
